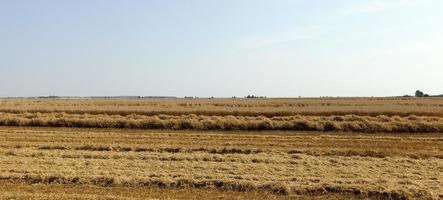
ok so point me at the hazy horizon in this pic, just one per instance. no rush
(221, 97)
(221, 48)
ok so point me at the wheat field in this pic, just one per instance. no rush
(400, 106)
(359, 148)
(393, 115)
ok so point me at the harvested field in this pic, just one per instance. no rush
(389, 115)
(348, 123)
(228, 99)
(265, 164)
(237, 107)
(21, 191)
(352, 148)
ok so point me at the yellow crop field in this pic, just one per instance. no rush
(228, 99)
(324, 148)
(232, 106)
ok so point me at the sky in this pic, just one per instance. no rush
(221, 48)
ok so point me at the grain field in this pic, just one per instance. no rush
(356, 148)
(285, 164)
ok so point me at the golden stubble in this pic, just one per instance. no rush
(282, 163)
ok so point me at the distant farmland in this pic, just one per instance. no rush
(325, 148)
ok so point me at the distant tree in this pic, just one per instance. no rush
(419, 93)
(426, 95)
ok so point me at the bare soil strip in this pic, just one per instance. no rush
(23, 191)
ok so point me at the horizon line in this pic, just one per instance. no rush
(196, 97)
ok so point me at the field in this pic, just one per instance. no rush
(354, 148)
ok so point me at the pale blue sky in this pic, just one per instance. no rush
(221, 48)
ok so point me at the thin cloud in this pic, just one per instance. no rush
(276, 38)
(374, 6)
(254, 42)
